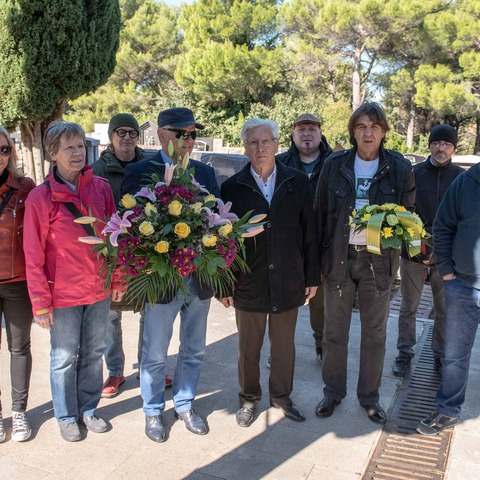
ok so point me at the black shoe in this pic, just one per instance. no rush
(376, 413)
(154, 428)
(326, 406)
(245, 416)
(291, 411)
(193, 421)
(319, 356)
(401, 366)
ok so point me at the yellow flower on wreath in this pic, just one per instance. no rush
(182, 230)
(146, 228)
(128, 201)
(400, 208)
(366, 217)
(411, 231)
(175, 208)
(162, 246)
(224, 230)
(209, 240)
(387, 232)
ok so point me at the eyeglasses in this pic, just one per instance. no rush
(261, 143)
(5, 150)
(185, 134)
(131, 133)
(441, 144)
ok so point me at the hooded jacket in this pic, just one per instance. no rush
(63, 272)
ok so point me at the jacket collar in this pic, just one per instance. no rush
(60, 190)
(12, 182)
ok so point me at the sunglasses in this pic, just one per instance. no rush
(5, 150)
(182, 133)
(131, 133)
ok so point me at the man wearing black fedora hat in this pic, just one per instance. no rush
(193, 303)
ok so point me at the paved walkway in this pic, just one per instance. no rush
(336, 448)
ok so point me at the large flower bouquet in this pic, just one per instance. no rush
(388, 226)
(170, 229)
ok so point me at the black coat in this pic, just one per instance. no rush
(139, 175)
(283, 259)
(392, 183)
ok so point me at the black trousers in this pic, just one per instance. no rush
(251, 332)
(17, 309)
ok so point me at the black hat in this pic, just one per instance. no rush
(122, 120)
(445, 133)
(177, 117)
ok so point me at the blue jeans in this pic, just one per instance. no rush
(462, 315)
(114, 356)
(158, 329)
(77, 340)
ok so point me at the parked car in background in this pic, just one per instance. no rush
(224, 164)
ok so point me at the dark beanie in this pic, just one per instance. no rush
(444, 133)
(122, 120)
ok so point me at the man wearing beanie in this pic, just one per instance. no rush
(432, 179)
(123, 132)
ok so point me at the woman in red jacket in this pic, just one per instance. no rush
(66, 280)
(14, 301)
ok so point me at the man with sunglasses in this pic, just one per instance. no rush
(176, 126)
(123, 133)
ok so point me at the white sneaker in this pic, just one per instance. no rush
(21, 429)
(3, 433)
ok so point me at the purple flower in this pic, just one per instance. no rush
(145, 192)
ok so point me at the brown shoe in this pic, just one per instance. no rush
(111, 386)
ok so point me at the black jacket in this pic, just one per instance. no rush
(431, 184)
(291, 158)
(392, 183)
(283, 259)
(139, 175)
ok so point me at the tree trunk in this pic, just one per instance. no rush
(411, 127)
(32, 151)
(476, 150)
(356, 78)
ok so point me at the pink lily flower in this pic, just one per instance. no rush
(91, 240)
(200, 187)
(169, 169)
(258, 218)
(223, 216)
(117, 225)
(145, 192)
(251, 232)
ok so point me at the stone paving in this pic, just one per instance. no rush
(336, 448)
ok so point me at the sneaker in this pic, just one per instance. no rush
(401, 366)
(70, 431)
(112, 386)
(435, 423)
(94, 424)
(21, 429)
(3, 433)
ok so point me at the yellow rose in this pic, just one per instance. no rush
(209, 240)
(146, 228)
(196, 207)
(175, 208)
(224, 230)
(162, 247)
(128, 201)
(150, 209)
(182, 230)
(209, 198)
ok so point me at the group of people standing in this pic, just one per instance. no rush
(307, 253)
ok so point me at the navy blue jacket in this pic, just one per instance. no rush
(456, 230)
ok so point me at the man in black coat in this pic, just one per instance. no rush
(283, 268)
(193, 303)
(432, 179)
(366, 174)
(308, 152)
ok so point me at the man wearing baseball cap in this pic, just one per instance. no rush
(193, 302)
(308, 151)
(432, 179)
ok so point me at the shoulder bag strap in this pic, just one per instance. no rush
(6, 199)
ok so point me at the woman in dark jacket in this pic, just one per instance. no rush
(14, 301)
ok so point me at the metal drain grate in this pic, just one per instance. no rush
(402, 453)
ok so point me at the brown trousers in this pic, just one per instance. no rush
(251, 332)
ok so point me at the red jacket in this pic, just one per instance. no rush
(12, 260)
(63, 272)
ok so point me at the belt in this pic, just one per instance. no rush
(358, 248)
